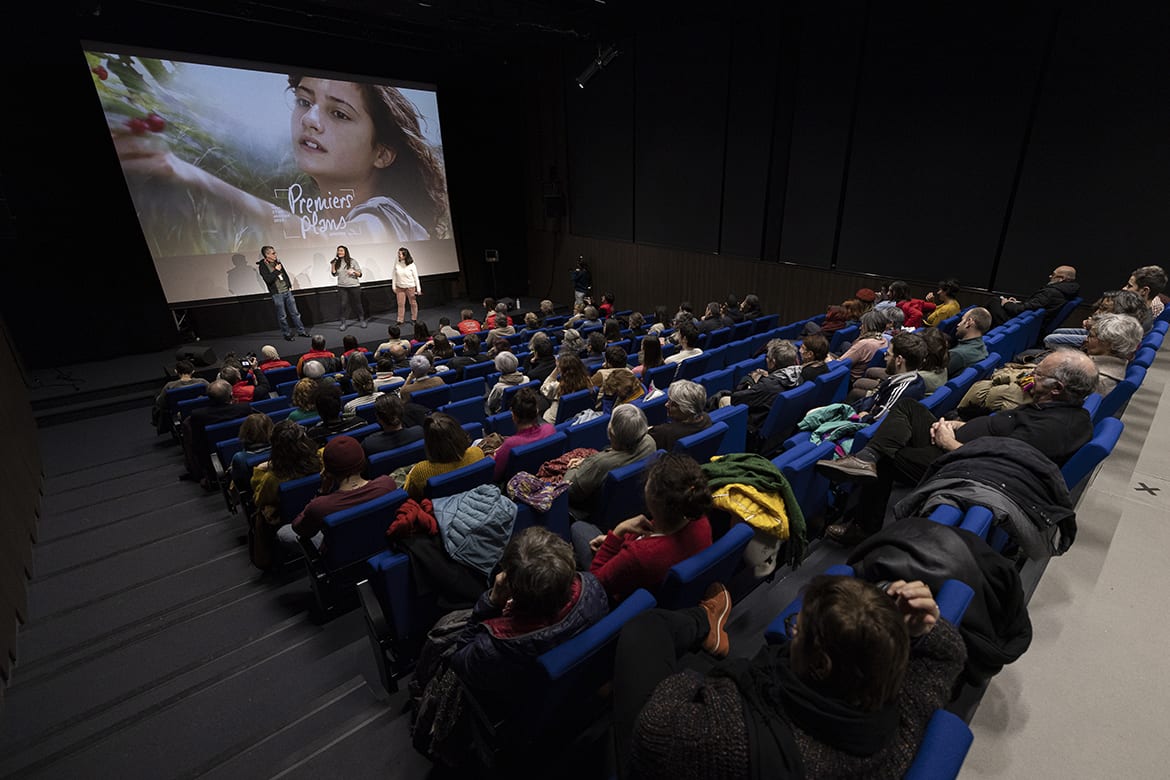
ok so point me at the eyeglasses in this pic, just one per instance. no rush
(790, 625)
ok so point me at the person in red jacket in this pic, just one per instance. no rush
(270, 358)
(640, 550)
(915, 309)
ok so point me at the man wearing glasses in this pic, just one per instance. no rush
(911, 438)
(1062, 287)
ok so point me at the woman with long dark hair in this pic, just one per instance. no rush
(349, 286)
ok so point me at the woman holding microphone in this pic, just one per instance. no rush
(349, 286)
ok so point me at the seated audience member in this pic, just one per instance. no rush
(543, 359)
(905, 356)
(685, 404)
(620, 387)
(421, 334)
(571, 341)
(685, 313)
(468, 324)
(437, 349)
(349, 345)
(759, 389)
(944, 301)
(255, 438)
(537, 601)
(591, 318)
(637, 324)
(398, 352)
(243, 391)
(385, 379)
(615, 358)
(639, 551)
(712, 318)
(1111, 302)
(836, 318)
(605, 308)
(531, 324)
(363, 385)
(569, 376)
(934, 366)
(1112, 341)
(866, 297)
(853, 311)
(1061, 288)
(393, 336)
(529, 427)
(849, 695)
(447, 329)
(649, 355)
(1148, 282)
(420, 378)
(814, 350)
(577, 317)
(356, 361)
(469, 355)
(547, 310)
(595, 346)
(294, 455)
(317, 352)
(662, 320)
(270, 358)
(969, 347)
(497, 317)
(612, 330)
(751, 307)
(196, 451)
(328, 404)
(895, 322)
(185, 370)
(871, 377)
(510, 376)
(688, 343)
(911, 438)
(304, 400)
(914, 309)
(447, 448)
(342, 487)
(731, 310)
(388, 410)
(628, 442)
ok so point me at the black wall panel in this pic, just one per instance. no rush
(750, 116)
(1096, 183)
(600, 129)
(805, 219)
(679, 127)
(944, 104)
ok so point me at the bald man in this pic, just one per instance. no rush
(911, 438)
(1062, 287)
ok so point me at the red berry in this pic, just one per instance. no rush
(101, 72)
(137, 126)
(155, 122)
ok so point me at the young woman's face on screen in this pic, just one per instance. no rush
(333, 133)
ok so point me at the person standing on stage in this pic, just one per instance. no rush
(406, 284)
(349, 286)
(280, 286)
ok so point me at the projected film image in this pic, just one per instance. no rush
(222, 160)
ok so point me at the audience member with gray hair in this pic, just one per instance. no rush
(759, 389)
(421, 377)
(866, 345)
(1111, 342)
(628, 442)
(685, 405)
(510, 376)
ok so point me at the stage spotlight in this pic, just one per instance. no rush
(602, 59)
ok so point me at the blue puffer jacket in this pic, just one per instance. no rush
(476, 525)
(499, 668)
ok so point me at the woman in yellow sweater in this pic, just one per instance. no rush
(447, 448)
(944, 302)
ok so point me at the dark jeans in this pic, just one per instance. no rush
(648, 651)
(905, 452)
(351, 303)
(282, 301)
